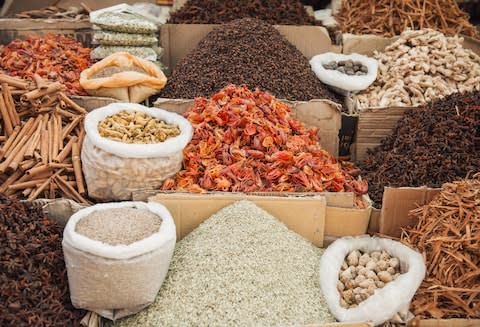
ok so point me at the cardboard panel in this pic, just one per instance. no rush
(323, 114)
(178, 40)
(374, 224)
(397, 202)
(12, 28)
(306, 216)
(91, 103)
(448, 323)
(373, 126)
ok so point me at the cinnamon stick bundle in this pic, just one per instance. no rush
(43, 131)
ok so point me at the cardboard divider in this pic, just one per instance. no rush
(304, 215)
(178, 40)
(397, 202)
(323, 114)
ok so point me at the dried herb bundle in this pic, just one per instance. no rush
(389, 18)
(246, 51)
(284, 12)
(430, 145)
(33, 278)
(448, 233)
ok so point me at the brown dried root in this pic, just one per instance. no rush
(448, 234)
(392, 17)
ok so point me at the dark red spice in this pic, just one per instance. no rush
(33, 277)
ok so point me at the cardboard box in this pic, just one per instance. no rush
(341, 217)
(323, 114)
(90, 103)
(15, 28)
(374, 124)
(447, 323)
(178, 40)
(397, 202)
(190, 210)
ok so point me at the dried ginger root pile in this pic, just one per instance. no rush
(419, 67)
(389, 18)
(448, 234)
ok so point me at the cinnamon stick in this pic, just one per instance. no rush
(35, 140)
(71, 103)
(66, 150)
(59, 132)
(9, 141)
(13, 81)
(21, 133)
(68, 189)
(69, 128)
(77, 168)
(12, 178)
(42, 187)
(7, 122)
(44, 137)
(41, 83)
(7, 96)
(29, 184)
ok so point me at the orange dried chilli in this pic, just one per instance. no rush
(53, 57)
(247, 141)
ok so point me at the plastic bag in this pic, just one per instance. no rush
(126, 39)
(116, 281)
(394, 298)
(114, 170)
(127, 78)
(124, 22)
(340, 80)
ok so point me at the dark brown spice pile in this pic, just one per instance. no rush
(246, 51)
(283, 12)
(33, 278)
(431, 145)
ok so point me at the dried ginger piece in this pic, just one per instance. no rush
(448, 234)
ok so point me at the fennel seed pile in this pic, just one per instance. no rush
(241, 267)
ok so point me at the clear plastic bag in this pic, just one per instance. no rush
(116, 281)
(114, 170)
(125, 39)
(391, 300)
(125, 22)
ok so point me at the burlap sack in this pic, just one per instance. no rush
(133, 79)
(116, 281)
(114, 170)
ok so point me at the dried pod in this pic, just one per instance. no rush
(375, 255)
(343, 303)
(391, 271)
(385, 276)
(348, 296)
(357, 290)
(340, 286)
(396, 276)
(372, 275)
(346, 275)
(359, 279)
(352, 258)
(379, 284)
(362, 271)
(384, 256)
(371, 289)
(366, 283)
(371, 265)
(394, 263)
(350, 284)
(381, 266)
(344, 265)
(364, 259)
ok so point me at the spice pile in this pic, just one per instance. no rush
(40, 140)
(390, 18)
(246, 141)
(53, 57)
(430, 145)
(136, 127)
(419, 67)
(116, 226)
(281, 12)
(246, 51)
(363, 273)
(121, 31)
(348, 67)
(448, 234)
(53, 12)
(241, 267)
(33, 279)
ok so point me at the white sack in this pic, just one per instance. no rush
(351, 83)
(394, 298)
(114, 170)
(117, 280)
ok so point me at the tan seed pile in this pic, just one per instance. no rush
(119, 225)
(241, 267)
(136, 127)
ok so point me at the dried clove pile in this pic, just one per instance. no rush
(430, 145)
(283, 12)
(447, 231)
(246, 51)
(33, 278)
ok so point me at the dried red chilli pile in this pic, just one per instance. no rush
(247, 141)
(284, 12)
(431, 145)
(246, 51)
(53, 57)
(447, 232)
(33, 278)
